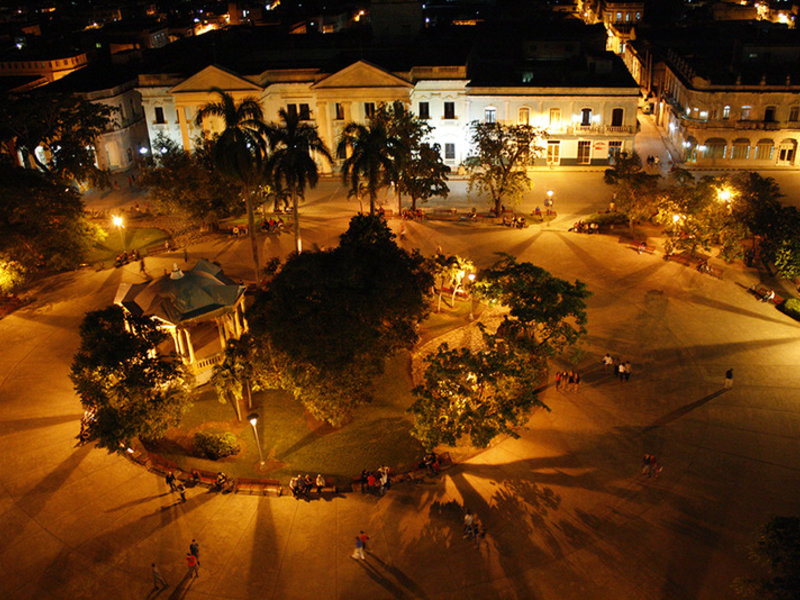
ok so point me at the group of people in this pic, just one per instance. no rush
(650, 466)
(653, 161)
(378, 481)
(301, 485)
(239, 230)
(272, 225)
(176, 486)
(568, 380)
(412, 214)
(124, 257)
(473, 528)
(620, 368)
(537, 212)
(582, 226)
(514, 222)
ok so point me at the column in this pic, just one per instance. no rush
(237, 321)
(221, 332)
(189, 346)
(245, 326)
(175, 341)
(184, 128)
(180, 345)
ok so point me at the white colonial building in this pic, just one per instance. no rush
(586, 123)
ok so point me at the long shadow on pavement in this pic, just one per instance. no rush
(683, 410)
(14, 425)
(403, 579)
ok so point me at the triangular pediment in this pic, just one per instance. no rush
(361, 74)
(213, 76)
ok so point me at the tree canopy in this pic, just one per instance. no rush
(64, 126)
(777, 554)
(636, 190)
(370, 162)
(475, 394)
(42, 225)
(501, 155)
(131, 390)
(339, 313)
(186, 183)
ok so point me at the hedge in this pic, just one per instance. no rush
(791, 307)
(215, 445)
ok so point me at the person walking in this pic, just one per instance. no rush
(170, 479)
(608, 362)
(728, 379)
(576, 381)
(627, 372)
(558, 380)
(194, 566)
(158, 580)
(359, 549)
(182, 492)
(363, 537)
(194, 549)
(364, 480)
(469, 519)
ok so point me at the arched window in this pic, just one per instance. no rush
(490, 114)
(714, 148)
(740, 149)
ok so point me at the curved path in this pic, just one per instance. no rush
(567, 515)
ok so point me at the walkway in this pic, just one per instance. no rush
(567, 514)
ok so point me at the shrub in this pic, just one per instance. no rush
(215, 445)
(611, 218)
(791, 307)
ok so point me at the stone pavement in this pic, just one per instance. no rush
(567, 513)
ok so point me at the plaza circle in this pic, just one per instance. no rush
(567, 513)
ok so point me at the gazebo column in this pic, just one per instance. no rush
(189, 345)
(237, 324)
(221, 332)
(175, 341)
(179, 344)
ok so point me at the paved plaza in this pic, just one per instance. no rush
(567, 513)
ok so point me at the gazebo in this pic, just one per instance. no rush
(191, 302)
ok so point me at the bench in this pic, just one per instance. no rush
(459, 294)
(257, 486)
(684, 259)
(761, 291)
(161, 465)
(712, 270)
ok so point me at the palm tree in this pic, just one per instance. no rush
(240, 150)
(371, 158)
(232, 377)
(291, 165)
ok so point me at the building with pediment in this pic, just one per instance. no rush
(584, 97)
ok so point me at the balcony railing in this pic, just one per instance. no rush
(735, 124)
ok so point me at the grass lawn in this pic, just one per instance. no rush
(293, 442)
(138, 238)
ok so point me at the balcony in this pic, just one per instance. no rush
(732, 124)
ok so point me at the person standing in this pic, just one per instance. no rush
(194, 566)
(576, 381)
(158, 580)
(359, 549)
(558, 380)
(728, 379)
(469, 519)
(182, 492)
(194, 549)
(627, 370)
(320, 483)
(141, 266)
(170, 479)
(364, 480)
(363, 537)
(608, 362)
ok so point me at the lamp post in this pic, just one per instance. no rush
(253, 420)
(471, 278)
(119, 224)
(549, 201)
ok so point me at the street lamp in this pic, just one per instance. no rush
(549, 202)
(253, 420)
(119, 224)
(471, 278)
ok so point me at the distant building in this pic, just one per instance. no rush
(49, 64)
(586, 101)
(725, 94)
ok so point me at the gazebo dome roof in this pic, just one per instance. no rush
(203, 291)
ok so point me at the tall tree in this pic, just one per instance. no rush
(232, 378)
(239, 151)
(336, 315)
(120, 378)
(425, 176)
(62, 127)
(636, 190)
(181, 182)
(370, 164)
(478, 394)
(291, 164)
(548, 314)
(498, 164)
(42, 224)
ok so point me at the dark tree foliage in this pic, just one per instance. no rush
(64, 126)
(186, 183)
(777, 554)
(42, 224)
(635, 188)
(118, 375)
(547, 314)
(337, 314)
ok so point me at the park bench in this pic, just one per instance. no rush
(161, 465)
(761, 291)
(709, 269)
(203, 477)
(329, 487)
(684, 258)
(448, 291)
(257, 486)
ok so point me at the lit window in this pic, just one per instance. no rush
(524, 116)
(449, 151)
(726, 112)
(794, 113)
(369, 109)
(745, 112)
(490, 115)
